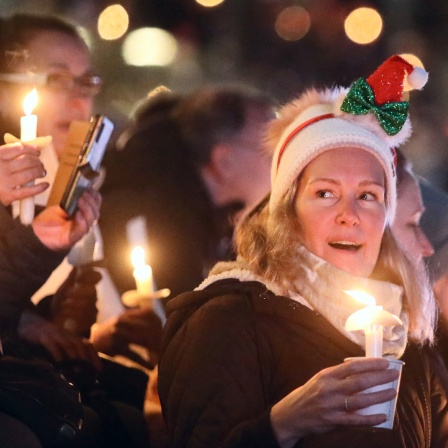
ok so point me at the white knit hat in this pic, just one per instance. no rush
(371, 116)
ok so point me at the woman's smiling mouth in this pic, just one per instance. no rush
(345, 245)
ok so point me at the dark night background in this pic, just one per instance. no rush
(236, 41)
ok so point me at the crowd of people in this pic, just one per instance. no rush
(258, 221)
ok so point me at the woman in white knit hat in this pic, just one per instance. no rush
(255, 356)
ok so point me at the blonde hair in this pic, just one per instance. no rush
(268, 242)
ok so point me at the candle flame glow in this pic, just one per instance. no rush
(361, 297)
(30, 102)
(138, 256)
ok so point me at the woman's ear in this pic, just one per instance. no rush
(221, 162)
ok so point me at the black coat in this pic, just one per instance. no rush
(25, 265)
(233, 350)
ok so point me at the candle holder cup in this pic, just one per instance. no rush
(134, 298)
(387, 407)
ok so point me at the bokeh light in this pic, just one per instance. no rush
(363, 25)
(292, 23)
(415, 61)
(149, 47)
(209, 3)
(113, 22)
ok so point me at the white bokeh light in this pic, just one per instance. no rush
(149, 47)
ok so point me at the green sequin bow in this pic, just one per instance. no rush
(360, 100)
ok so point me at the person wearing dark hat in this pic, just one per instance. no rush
(407, 228)
(255, 355)
(434, 224)
(188, 164)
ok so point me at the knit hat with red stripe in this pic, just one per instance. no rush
(371, 115)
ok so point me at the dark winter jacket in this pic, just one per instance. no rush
(25, 264)
(232, 350)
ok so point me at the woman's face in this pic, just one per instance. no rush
(406, 227)
(340, 204)
(58, 54)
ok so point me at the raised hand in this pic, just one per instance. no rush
(58, 232)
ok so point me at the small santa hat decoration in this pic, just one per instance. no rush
(388, 79)
(380, 97)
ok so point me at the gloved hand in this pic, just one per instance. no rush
(139, 326)
(73, 305)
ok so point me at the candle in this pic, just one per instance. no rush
(28, 131)
(371, 319)
(28, 123)
(142, 272)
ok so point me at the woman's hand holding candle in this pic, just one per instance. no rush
(19, 165)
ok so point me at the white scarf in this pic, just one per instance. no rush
(320, 286)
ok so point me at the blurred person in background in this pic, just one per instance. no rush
(49, 53)
(434, 223)
(28, 255)
(31, 253)
(410, 210)
(421, 218)
(420, 226)
(189, 165)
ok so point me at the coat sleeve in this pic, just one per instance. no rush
(210, 381)
(439, 399)
(25, 264)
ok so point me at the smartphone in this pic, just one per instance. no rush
(89, 162)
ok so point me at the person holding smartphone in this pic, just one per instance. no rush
(49, 53)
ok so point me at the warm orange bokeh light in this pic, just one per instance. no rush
(292, 23)
(209, 3)
(113, 22)
(363, 25)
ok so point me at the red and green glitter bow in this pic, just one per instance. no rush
(360, 100)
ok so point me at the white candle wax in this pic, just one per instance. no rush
(28, 127)
(374, 341)
(143, 279)
(28, 131)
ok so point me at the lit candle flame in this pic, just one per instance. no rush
(142, 271)
(371, 319)
(361, 297)
(138, 256)
(30, 102)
